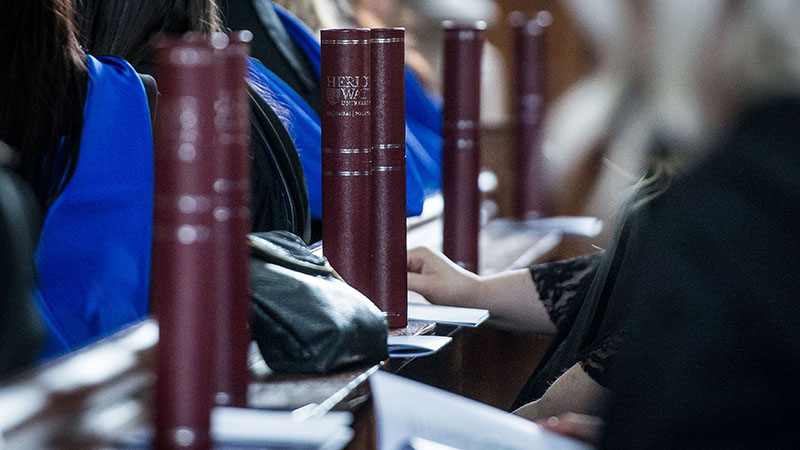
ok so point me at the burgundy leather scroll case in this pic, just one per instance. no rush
(347, 154)
(183, 278)
(529, 76)
(389, 282)
(461, 142)
(231, 202)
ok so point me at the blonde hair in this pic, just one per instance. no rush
(762, 50)
(711, 56)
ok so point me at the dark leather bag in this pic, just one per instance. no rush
(304, 317)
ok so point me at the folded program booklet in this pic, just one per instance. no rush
(412, 415)
(451, 315)
(248, 429)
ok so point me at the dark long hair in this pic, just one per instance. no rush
(129, 28)
(43, 82)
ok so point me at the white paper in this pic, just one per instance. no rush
(231, 426)
(451, 315)
(424, 444)
(241, 428)
(413, 346)
(405, 410)
(575, 225)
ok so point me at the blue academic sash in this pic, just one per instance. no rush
(304, 127)
(93, 256)
(423, 129)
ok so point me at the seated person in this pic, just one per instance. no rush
(565, 298)
(279, 198)
(708, 340)
(713, 354)
(713, 358)
(82, 128)
(582, 301)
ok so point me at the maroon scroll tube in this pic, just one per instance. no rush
(460, 142)
(231, 221)
(183, 249)
(529, 73)
(389, 286)
(346, 154)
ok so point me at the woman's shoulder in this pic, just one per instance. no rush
(109, 67)
(114, 83)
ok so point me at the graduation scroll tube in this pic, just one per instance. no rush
(461, 142)
(347, 154)
(232, 222)
(529, 76)
(389, 279)
(183, 281)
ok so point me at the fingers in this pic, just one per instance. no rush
(425, 274)
(418, 283)
(438, 279)
(420, 259)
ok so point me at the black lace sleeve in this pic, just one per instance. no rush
(600, 360)
(563, 285)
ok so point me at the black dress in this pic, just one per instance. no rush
(586, 302)
(590, 299)
(713, 356)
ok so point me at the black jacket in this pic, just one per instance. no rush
(713, 360)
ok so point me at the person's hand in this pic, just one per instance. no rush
(577, 426)
(440, 280)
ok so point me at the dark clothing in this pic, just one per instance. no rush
(21, 329)
(279, 199)
(713, 355)
(279, 196)
(562, 286)
(586, 298)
